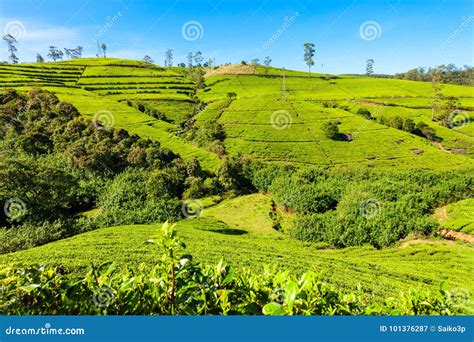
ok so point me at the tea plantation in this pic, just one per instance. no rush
(285, 168)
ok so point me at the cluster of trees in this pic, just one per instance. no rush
(60, 164)
(56, 54)
(421, 129)
(450, 74)
(352, 208)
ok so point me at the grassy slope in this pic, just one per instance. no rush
(69, 80)
(101, 84)
(229, 230)
(458, 216)
(248, 121)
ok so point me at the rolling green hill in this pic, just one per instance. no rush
(276, 116)
(297, 102)
(238, 231)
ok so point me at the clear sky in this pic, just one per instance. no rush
(397, 34)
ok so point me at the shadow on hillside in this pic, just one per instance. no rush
(229, 231)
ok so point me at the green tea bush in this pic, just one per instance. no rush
(140, 196)
(352, 208)
(179, 286)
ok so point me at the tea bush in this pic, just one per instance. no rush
(179, 286)
(351, 208)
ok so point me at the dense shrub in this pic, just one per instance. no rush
(366, 207)
(365, 113)
(209, 132)
(235, 175)
(304, 197)
(330, 129)
(140, 196)
(263, 176)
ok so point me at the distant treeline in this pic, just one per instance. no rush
(449, 74)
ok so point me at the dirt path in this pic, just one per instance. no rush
(453, 235)
(441, 214)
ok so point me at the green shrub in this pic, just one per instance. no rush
(139, 196)
(330, 129)
(365, 113)
(209, 132)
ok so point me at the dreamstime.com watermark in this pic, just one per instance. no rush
(110, 21)
(370, 30)
(192, 208)
(287, 21)
(281, 119)
(16, 29)
(465, 22)
(46, 330)
(192, 30)
(103, 119)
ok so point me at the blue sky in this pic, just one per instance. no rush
(397, 34)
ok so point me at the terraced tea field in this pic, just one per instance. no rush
(273, 118)
(272, 115)
(299, 107)
(238, 231)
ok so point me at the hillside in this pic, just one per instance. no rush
(231, 230)
(346, 176)
(296, 105)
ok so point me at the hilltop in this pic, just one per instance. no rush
(299, 105)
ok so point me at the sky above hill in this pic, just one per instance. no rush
(398, 35)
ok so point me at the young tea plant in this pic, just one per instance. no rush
(170, 244)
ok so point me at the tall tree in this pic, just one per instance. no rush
(11, 41)
(198, 58)
(55, 53)
(147, 59)
(169, 58)
(267, 62)
(369, 69)
(78, 51)
(189, 57)
(308, 56)
(255, 61)
(104, 48)
(210, 62)
(39, 58)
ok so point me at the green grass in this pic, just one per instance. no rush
(239, 231)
